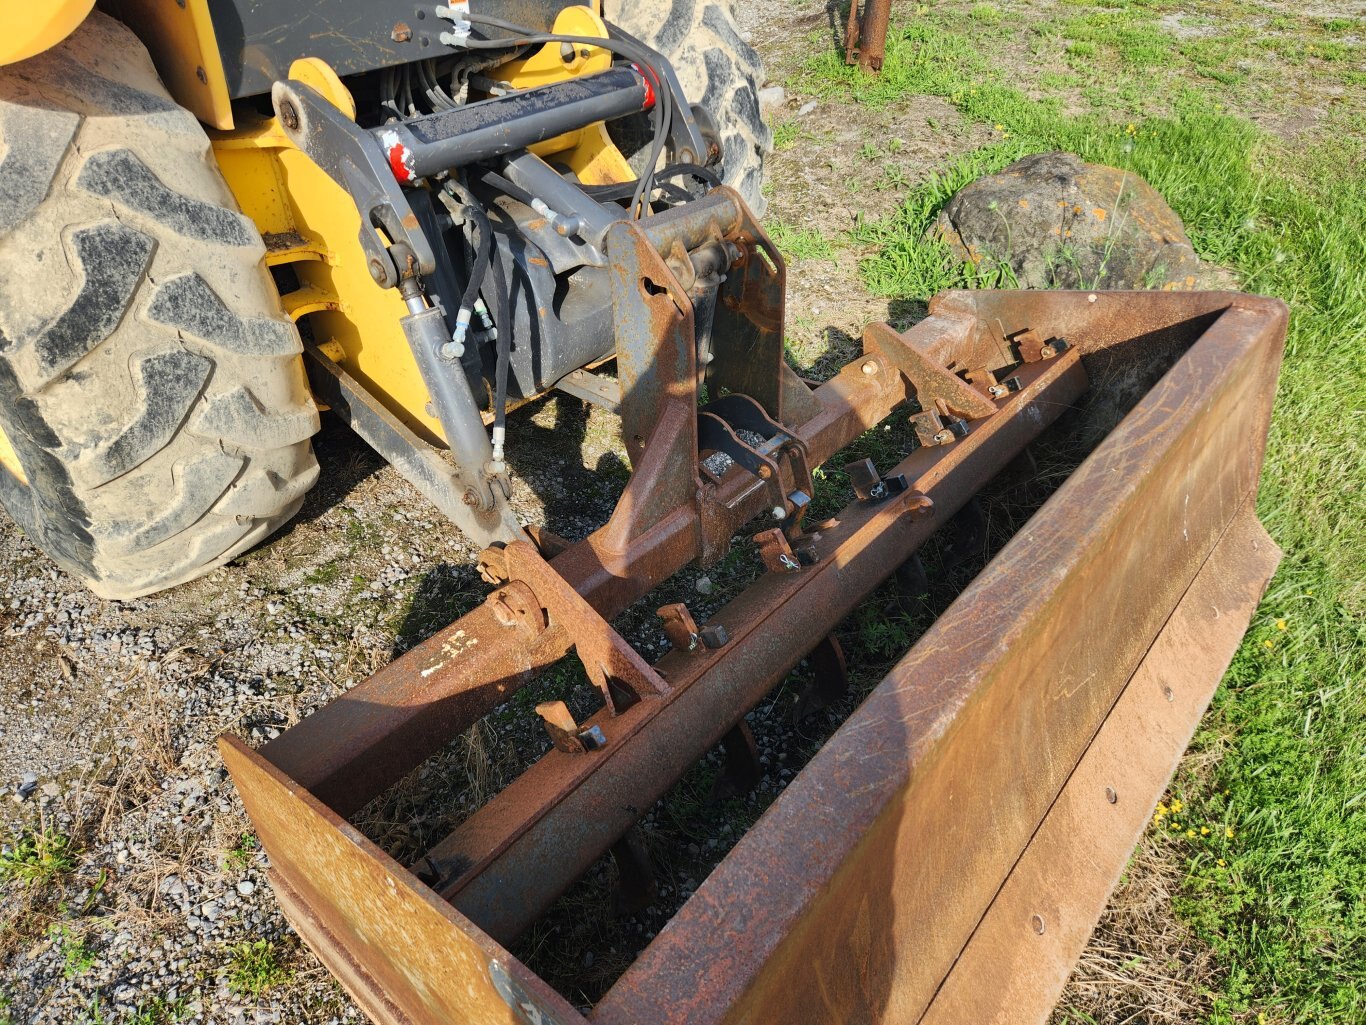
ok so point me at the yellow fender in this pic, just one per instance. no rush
(27, 29)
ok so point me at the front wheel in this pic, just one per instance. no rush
(154, 414)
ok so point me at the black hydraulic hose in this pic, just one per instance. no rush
(502, 306)
(483, 247)
(494, 180)
(483, 250)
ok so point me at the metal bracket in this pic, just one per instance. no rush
(1032, 347)
(566, 734)
(779, 554)
(986, 382)
(717, 425)
(351, 157)
(871, 486)
(935, 385)
(933, 429)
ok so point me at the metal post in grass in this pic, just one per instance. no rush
(865, 38)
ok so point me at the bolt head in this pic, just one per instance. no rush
(779, 513)
(289, 115)
(869, 367)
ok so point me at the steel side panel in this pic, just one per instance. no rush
(406, 955)
(850, 900)
(1020, 956)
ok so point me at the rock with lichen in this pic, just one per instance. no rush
(1052, 221)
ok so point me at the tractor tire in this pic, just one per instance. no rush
(154, 414)
(719, 72)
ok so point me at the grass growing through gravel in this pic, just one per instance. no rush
(37, 857)
(256, 967)
(1272, 839)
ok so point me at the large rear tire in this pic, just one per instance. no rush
(718, 70)
(152, 398)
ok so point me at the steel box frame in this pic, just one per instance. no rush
(905, 874)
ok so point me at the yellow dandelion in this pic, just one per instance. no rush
(1204, 830)
(1176, 825)
(1281, 625)
(1190, 833)
(1000, 128)
(1220, 862)
(1228, 832)
(1176, 806)
(1268, 645)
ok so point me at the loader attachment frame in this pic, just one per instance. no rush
(946, 853)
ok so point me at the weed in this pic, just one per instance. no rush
(78, 957)
(256, 967)
(160, 1011)
(799, 243)
(239, 856)
(786, 135)
(37, 857)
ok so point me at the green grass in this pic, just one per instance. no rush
(1284, 804)
(256, 967)
(35, 857)
(799, 243)
(77, 955)
(239, 856)
(160, 1011)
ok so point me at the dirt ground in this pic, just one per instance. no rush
(111, 711)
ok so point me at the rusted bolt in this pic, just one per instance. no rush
(764, 472)
(943, 437)
(401, 33)
(779, 513)
(376, 268)
(289, 117)
(1111, 796)
(1092, 297)
(1037, 923)
(470, 498)
(202, 75)
(869, 366)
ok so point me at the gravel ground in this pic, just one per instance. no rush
(112, 710)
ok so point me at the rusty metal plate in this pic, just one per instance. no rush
(405, 955)
(1022, 952)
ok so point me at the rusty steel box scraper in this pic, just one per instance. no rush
(945, 855)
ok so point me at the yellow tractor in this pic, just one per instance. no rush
(219, 217)
(166, 240)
